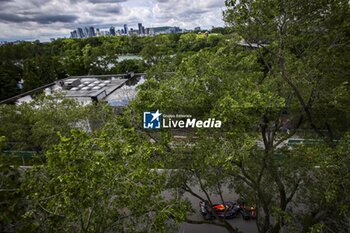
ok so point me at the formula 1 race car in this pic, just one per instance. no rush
(227, 209)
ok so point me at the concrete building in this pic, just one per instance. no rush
(116, 89)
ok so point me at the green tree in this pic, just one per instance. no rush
(12, 205)
(40, 71)
(207, 85)
(100, 183)
(34, 125)
(10, 75)
(232, 84)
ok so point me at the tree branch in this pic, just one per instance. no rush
(189, 190)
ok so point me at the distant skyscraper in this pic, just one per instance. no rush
(197, 28)
(80, 33)
(140, 28)
(92, 32)
(112, 31)
(126, 29)
(86, 32)
(74, 34)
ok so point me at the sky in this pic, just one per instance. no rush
(45, 19)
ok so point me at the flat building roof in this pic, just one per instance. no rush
(88, 88)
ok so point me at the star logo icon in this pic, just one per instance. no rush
(151, 120)
(156, 116)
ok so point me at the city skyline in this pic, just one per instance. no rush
(90, 31)
(39, 19)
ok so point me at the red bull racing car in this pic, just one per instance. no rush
(227, 209)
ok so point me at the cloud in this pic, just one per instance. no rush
(41, 19)
(96, 1)
(106, 1)
(12, 18)
(48, 19)
(107, 8)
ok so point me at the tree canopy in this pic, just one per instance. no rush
(279, 84)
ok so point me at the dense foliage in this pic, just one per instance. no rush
(283, 74)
